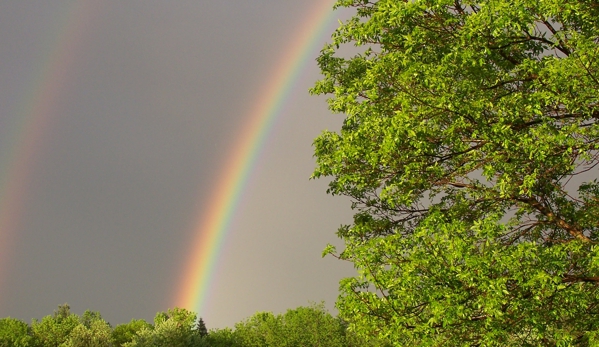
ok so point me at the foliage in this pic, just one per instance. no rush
(53, 331)
(124, 333)
(14, 333)
(89, 317)
(97, 333)
(469, 148)
(303, 326)
(221, 338)
(261, 329)
(174, 328)
(66, 329)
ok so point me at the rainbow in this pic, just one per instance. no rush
(31, 121)
(214, 223)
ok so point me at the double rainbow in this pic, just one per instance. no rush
(36, 109)
(214, 223)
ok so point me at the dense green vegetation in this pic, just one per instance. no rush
(470, 148)
(300, 327)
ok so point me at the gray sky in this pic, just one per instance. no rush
(142, 108)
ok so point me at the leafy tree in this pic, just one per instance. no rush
(145, 337)
(312, 326)
(181, 316)
(221, 338)
(89, 317)
(300, 327)
(63, 312)
(14, 333)
(124, 333)
(469, 150)
(174, 328)
(53, 331)
(261, 329)
(97, 333)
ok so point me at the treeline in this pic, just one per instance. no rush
(304, 326)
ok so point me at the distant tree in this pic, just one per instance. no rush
(145, 337)
(14, 333)
(201, 328)
(470, 149)
(174, 328)
(181, 316)
(63, 312)
(261, 329)
(124, 333)
(97, 333)
(53, 331)
(221, 338)
(312, 326)
(300, 327)
(89, 317)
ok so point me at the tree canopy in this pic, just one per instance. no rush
(300, 327)
(303, 326)
(14, 333)
(469, 149)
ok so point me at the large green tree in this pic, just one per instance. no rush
(469, 149)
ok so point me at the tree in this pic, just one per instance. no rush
(201, 328)
(301, 327)
(90, 317)
(312, 326)
(14, 333)
(469, 150)
(173, 328)
(261, 329)
(53, 331)
(97, 333)
(221, 338)
(124, 333)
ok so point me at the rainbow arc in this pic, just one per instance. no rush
(32, 118)
(213, 224)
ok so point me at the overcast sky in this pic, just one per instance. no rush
(115, 119)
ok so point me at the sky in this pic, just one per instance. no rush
(119, 120)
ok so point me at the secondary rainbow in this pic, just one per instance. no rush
(213, 224)
(30, 121)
